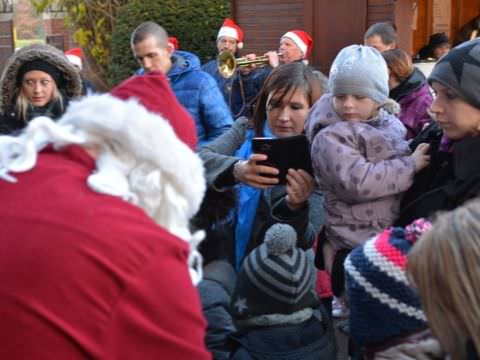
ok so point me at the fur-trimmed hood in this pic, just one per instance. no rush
(72, 84)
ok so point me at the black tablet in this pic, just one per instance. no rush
(292, 152)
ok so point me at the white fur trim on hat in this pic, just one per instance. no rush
(230, 32)
(75, 60)
(298, 41)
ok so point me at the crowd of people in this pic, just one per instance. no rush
(144, 224)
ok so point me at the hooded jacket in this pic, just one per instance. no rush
(198, 92)
(415, 99)
(362, 168)
(70, 86)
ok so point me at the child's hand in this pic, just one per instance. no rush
(420, 156)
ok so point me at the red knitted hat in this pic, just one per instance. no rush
(230, 29)
(153, 91)
(302, 39)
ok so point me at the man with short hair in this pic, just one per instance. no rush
(381, 36)
(195, 89)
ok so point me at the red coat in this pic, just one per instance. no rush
(84, 275)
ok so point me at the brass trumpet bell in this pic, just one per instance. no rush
(227, 64)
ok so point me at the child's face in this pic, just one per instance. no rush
(354, 107)
(457, 118)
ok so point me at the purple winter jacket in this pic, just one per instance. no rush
(362, 169)
(415, 99)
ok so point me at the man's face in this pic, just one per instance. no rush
(290, 51)
(151, 56)
(227, 43)
(376, 42)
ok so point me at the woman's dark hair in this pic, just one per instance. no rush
(282, 80)
(399, 63)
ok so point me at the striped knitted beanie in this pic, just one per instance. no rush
(381, 301)
(275, 278)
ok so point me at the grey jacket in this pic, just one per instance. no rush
(219, 158)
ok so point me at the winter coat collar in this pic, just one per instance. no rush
(414, 82)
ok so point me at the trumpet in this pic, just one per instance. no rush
(227, 64)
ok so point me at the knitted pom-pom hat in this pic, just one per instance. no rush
(382, 303)
(275, 281)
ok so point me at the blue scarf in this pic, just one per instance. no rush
(248, 199)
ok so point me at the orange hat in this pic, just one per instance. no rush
(302, 39)
(75, 56)
(230, 29)
(173, 42)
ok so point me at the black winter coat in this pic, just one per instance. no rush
(451, 179)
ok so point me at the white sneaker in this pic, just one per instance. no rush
(339, 309)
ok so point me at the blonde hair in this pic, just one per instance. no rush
(22, 103)
(445, 267)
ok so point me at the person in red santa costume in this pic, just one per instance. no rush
(96, 256)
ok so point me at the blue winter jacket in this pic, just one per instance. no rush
(198, 92)
(225, 85)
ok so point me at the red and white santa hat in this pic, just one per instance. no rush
(302, 39)
(75, 56)
(173, 42)
(230, 29)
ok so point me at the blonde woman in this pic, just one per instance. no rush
(38, 80)
(445, 267)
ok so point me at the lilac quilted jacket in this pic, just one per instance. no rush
(362, 168)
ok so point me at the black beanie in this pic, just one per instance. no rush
(460, 71)
(41, 65)
(437, 39)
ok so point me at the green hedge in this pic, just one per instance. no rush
(194, 23)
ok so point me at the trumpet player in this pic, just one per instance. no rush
(229, 38)
(295, 45)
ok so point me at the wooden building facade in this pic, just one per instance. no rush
(335, 24)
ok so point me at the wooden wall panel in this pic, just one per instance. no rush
(464, 11)
(380, 11)
(404, 22)
(265, 21)
(334, 27)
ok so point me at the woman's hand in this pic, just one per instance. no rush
(300, 185)
(253, 174)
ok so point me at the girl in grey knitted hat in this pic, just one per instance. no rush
(359, 153)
